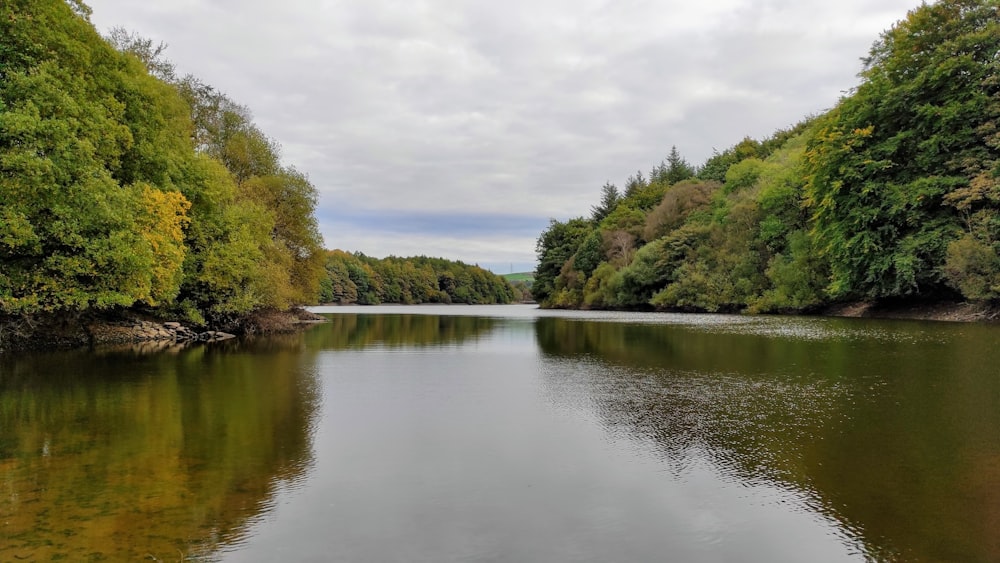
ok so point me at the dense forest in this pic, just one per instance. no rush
(123, 185)
(126, 187)
(894, 194)
(356, 278)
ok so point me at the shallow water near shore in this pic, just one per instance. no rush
(505, 433)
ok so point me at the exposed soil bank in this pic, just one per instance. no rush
(952, 311)
(937, 311)
(131, 327)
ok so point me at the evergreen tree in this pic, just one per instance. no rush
(609, 201)
(677, 169)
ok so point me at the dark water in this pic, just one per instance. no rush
(506, 434)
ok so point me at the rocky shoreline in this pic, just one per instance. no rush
(130, 328)
(137, 331)
(948, 311)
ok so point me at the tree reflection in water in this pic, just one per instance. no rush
(169, 452)
(119, 455)
(889, 428)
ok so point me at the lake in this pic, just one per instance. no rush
(506, 433)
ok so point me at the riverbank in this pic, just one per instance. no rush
(948, 311)
(132, 327)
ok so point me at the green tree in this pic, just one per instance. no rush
(677, 169)
(79, 184)
(356, 278)
(122, 186)
(887, 158)
(634, 184)
(555, 246)
(151, 56)
(590, 254)
(677, 204)
(290, 199)
(609, 201)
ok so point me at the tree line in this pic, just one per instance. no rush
(124, 185)
(892, 194)
(356, 278)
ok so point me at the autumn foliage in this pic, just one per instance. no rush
(123, 185)
(892, 194)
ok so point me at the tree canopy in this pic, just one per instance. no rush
(122, 185)
(356, 278)
(894, 193)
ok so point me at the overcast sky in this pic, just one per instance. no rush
(457, 128)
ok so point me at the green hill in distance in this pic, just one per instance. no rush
(526, 277)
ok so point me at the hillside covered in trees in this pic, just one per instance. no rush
(123, 185)
(894, 194)
(127, 188)
(356, 278)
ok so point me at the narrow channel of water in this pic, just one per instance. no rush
(510, 434)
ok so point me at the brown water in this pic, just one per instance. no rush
(510, 434)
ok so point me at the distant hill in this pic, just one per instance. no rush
(356, 278)
(526, 277)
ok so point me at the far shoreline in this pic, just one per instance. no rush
(937, 311)
(130, 328)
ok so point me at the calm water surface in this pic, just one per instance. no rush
(506, 433)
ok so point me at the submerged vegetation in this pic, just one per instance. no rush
(892, 194)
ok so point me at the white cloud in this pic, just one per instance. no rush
(518, 108)
(496, 248)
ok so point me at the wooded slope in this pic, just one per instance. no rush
(893, 194)
(123, 185)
